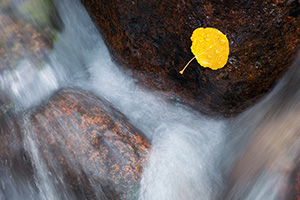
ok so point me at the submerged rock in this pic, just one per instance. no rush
(101, 156)
(21, 46)
(40, 13)
(26, 39)
(152, 38)
(20, 40)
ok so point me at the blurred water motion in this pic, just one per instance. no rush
(251, 157)
(24, 47)
(264, 143)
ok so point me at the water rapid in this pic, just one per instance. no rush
(192, 156)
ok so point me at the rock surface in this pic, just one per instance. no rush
(101, 155)
(294, 193)
(20, 40)
(152, 38)
(27, 31)
(25, 43)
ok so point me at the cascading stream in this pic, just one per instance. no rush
(191, 155)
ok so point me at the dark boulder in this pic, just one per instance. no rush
(101, 156)
(152, 38)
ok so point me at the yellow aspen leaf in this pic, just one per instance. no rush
(210, 47)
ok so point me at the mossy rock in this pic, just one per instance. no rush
(19, 40)
(4, 4)
(41, 13)
(22, 41)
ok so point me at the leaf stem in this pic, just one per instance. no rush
(181, 72)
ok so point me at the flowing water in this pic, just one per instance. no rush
(192, 157)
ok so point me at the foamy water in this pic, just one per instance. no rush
(192, 156)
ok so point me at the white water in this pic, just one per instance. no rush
(191, 156)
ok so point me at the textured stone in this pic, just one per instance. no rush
(294, 193)
(25, 43)
(20, 40)
(152, 38)
(87, 136)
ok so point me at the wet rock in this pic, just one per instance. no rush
(294, 189)
(27, 31)
(20, 43)
(40, 13)
(16, 169)
(20, 40)
(25, 42)
(101, 156)
(152, 38)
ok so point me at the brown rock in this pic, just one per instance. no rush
(19, 40)
(294, 193)
(153, 39)
(84, 134)
(27, 34)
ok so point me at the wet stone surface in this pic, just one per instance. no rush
(27, 37)
(294, 193)
(27, 31)
(152, 38)
(20, 40)
(101, 155)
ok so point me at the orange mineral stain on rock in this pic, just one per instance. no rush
(264, 33)
(97, 138)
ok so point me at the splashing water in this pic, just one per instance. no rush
(192, 157)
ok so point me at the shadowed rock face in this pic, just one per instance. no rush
(153, 39)
(101, 155)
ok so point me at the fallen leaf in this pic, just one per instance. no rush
(210, 47)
